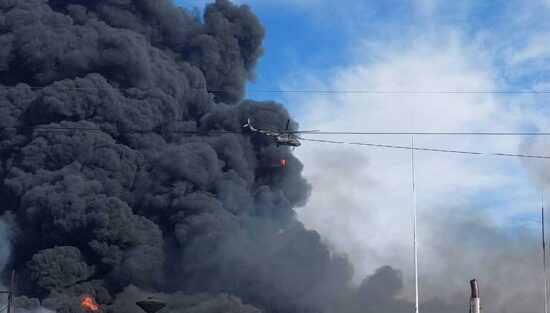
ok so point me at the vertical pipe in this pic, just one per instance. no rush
(544, 253)
(414, 221)
(475, 303)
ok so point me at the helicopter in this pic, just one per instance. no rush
(281, 137)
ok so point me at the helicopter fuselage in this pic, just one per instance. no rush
(281, 138)
(286, 140)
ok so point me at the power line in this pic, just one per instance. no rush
(56, 129)
(325, 91)
(398, 92)
(430, 149)
(165, 131)
(434, 133)
(64, 129)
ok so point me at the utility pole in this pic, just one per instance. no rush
(10, 291)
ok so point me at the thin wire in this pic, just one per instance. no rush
(430, 149)
(56, 129)
(138, 130)
(544, 253)
(435, 133)
(63, 129)
(398, 92)
(329, 91)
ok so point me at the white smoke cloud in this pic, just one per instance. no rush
(477, 215)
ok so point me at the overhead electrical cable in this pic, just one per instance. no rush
(430, 149)
(325, 91)
(48, 129)
(43, 129)
(434, 133)
(166, 131)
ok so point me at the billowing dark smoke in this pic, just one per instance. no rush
(204, 221)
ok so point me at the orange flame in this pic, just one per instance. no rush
(88, 303)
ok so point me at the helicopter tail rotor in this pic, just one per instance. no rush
(249, 126)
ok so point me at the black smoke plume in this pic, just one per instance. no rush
(204, 221)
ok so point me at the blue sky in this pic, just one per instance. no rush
(414, 45)
(320, 35)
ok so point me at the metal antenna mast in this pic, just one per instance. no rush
(414, 221)
(10, 291)
(544, 253)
